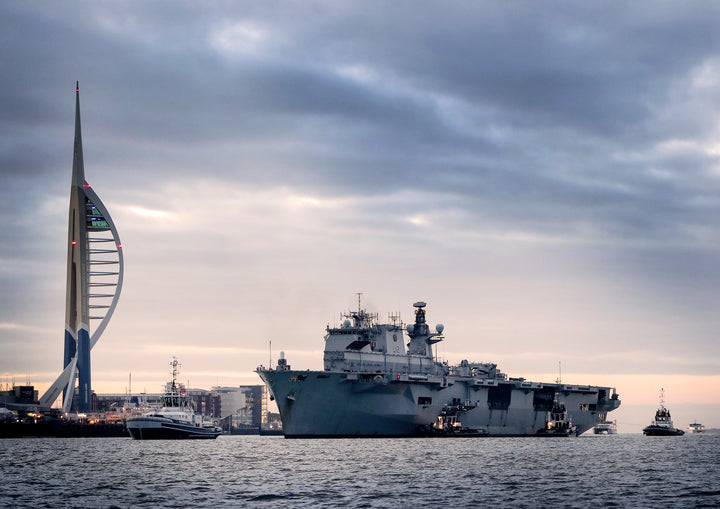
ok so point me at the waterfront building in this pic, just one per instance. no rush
(204, 402)
(241, 405)
(19, 397)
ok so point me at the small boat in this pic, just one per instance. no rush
(448, 423)
(175, 420)
(696, 427)
(558, 422)
(662, 426)
(605, 428)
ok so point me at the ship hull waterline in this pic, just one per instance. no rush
(321, 404)
(660, 431)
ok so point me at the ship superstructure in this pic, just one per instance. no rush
(373, 386)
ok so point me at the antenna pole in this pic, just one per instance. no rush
(270, 365)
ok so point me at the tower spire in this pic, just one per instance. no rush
(89, 223)
(78, 172)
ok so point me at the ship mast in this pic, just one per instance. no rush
(662, 397)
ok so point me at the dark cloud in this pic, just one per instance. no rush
(546, 100)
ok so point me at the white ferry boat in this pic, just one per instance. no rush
(605, 428)
(696, 427)
(662, 425)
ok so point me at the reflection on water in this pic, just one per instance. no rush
(253, 471)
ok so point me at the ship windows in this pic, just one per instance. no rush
(424, 400)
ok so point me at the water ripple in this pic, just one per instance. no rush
(252, 471)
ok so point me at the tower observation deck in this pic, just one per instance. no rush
(94, 280)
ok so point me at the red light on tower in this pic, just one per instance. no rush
(73, 242)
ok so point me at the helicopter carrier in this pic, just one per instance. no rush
(373, 386)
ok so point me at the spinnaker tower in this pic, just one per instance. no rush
(94, 280)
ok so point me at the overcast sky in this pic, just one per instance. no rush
(545, 175)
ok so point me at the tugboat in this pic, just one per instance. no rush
(558, 423)
(662, 426)
(448, 423)
(696, 427)
(175, 420)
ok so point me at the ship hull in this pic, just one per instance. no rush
(662, 431)
(159, 428)
(316, 404)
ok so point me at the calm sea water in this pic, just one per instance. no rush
(253, 471)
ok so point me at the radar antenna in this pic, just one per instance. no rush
(175, 365)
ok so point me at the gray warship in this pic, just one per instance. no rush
(372, 386)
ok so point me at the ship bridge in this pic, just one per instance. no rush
(362, 344)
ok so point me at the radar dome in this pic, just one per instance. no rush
(439, 328)
(411, 328)
(346, 323)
